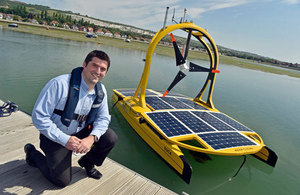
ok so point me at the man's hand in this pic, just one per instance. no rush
(85, 144)
(73, 143)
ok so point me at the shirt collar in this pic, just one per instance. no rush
(85, 87)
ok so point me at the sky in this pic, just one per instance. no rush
(270, 28)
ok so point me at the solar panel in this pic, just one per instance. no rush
(159, 103)
(175, 103)
(222, 140)
(130, 92)
(231, 122)
(126, 92)
(192, 122)
(168, 124)
(156, 103)
(192, 104)
(213, 121)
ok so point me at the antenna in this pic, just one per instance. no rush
(173, 20)
(166, 18)
(173, 15)
(184, 12)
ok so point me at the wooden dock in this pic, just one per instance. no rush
(19, 178)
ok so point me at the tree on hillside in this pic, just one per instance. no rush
(16, 17)
(30, 16)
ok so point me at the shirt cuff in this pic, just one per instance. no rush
(63, 139)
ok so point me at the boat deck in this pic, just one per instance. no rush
(19, 178)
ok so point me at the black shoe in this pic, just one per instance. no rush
(90, 170)
(28, 148)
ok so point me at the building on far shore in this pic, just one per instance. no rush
(100, 32)
(54, 23)
(117, 35)
(82, 28)
(108, 33)
(90, 29)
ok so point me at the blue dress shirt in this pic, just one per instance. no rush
(54, 96)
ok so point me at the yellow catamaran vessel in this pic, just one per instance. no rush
(167, 121)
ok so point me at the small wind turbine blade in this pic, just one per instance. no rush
(179, 58)
(197, 68)
(180, 75)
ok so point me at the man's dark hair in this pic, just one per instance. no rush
(98, 54)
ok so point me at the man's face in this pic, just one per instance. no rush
(94, 71)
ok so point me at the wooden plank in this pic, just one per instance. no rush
(9, 128)
(14, 118)
(18, 141)
(19, 136)
(11, 165)
(113, 183)
(17, 154)
(19, 177)
(132, 186)
(164, 191)
(148, 189)
(14, 124)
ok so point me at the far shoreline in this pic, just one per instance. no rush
(138, 45)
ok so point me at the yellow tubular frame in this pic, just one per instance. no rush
(214, 61)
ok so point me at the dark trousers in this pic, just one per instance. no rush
(56, 164)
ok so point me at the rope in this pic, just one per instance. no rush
(7, 108)
(245, 158)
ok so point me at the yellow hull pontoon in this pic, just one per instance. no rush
(168, 121)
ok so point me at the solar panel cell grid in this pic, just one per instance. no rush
(231, 122)
(223, 140)
(159, 103)
(177, 104)
(192, 104)
(170, 126)
(213, 121)
(156, 103)
(192, 122)
(126, 92)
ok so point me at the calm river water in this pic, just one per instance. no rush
(267, 103)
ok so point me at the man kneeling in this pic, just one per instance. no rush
(72, 116)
